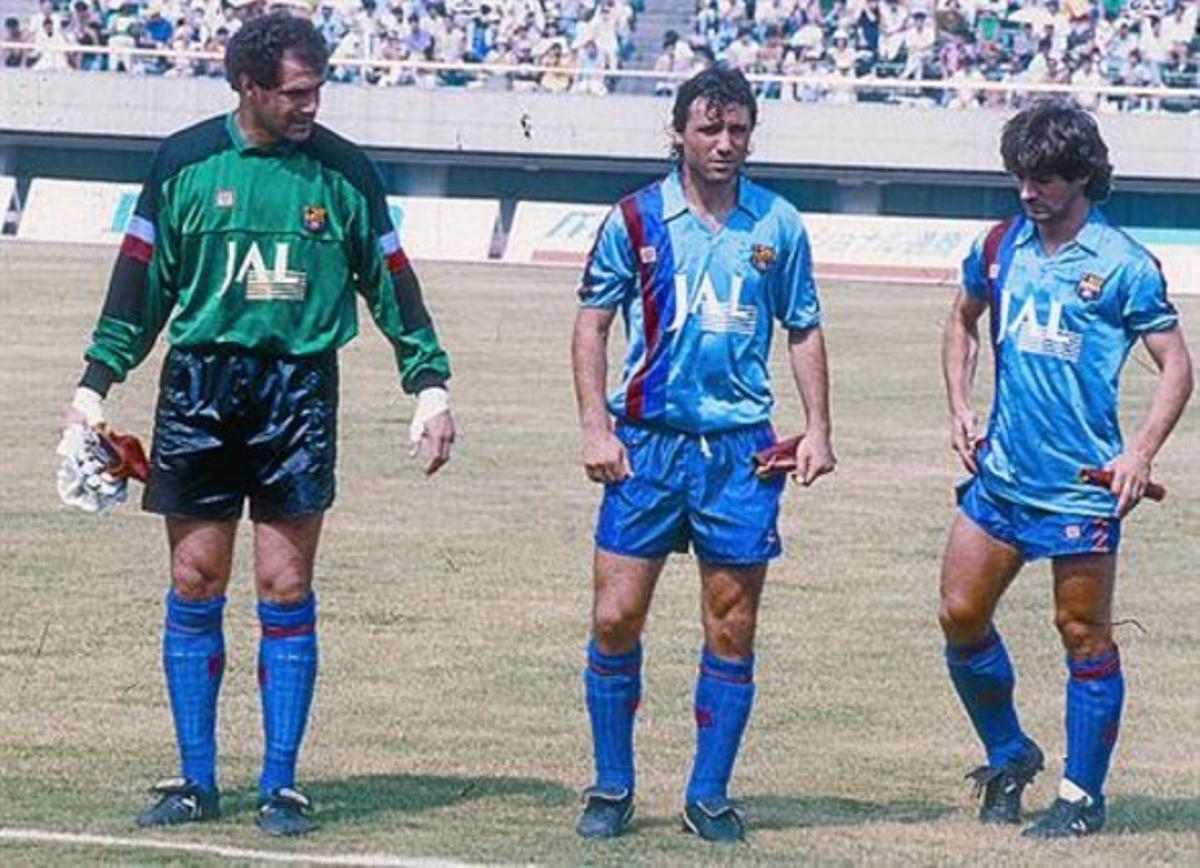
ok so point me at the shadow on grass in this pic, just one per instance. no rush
(1136, 814)
(356, 798)
(797, 812)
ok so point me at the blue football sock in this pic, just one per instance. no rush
(287, 672)
(1095, 692)
(194, 661)
(613, 687)
(724, 696)
(984, 678)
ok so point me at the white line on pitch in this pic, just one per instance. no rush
(372, 860)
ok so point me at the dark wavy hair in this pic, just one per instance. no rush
(720, 86)
(1057, 137)
(258, 47)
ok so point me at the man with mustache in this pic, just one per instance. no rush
(254, 233)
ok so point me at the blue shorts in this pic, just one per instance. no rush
(691, 489)
(233, 425)
(1037, 533)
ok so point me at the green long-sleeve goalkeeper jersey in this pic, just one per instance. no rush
(262, 249)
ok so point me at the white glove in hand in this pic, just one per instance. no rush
(430, 402)
(82, 481)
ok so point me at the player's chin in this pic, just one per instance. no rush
(298, 132)
(722, 171)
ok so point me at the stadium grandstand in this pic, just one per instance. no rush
(1124, 55)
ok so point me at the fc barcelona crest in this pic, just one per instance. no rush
(1089, 287)
(762, 256)
(314, 219)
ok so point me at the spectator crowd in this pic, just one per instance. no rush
(1080, 42)
(583, 38)
(573, 45)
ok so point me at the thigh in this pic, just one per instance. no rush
(977, 569)
(733, 514)
(290, 442)
(195, 471)
(1083, 600)
(201, 556)
(285, 551)
(645, 515)
(729, 600)
(622, 583)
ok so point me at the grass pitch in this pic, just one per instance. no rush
(449, 718)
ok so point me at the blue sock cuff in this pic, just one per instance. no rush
(194, 616)
(614, 664)
(1096, 668)
(964, 654)
(288, 618)
(739, 671)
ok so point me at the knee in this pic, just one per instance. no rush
(732, 634)
(286, 589)
(616, 625)
(1083, 640)
(193, 582)
(961, 619)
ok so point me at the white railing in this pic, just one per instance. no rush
(830, 83)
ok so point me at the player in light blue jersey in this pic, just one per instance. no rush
(701, 264)
(1068, 296)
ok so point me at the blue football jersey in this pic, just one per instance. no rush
(699, 305)
(1062, 327)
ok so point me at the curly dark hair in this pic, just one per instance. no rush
(720, 86)
(258, 47)
(1057, 137)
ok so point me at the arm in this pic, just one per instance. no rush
(604, 458)
(1131, 469)
(960, 355)
(140, 296)
(389, 286)
(810, 370)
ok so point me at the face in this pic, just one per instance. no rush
(1051, 198)
(288, 111)
(715, 141)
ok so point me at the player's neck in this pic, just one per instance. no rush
(1053, 234)
(252, 131)
(712, 203)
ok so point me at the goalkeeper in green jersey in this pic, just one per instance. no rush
(250, 240)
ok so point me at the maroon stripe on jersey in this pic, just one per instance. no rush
(635, 395)
(396, 261)
(137, 249)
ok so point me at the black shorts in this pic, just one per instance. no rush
(231, 425)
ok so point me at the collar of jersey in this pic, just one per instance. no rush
(243, 146)
(1088, 236)
(675, 204)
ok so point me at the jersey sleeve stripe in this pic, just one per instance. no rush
(136, 249)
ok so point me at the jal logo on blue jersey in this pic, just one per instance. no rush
(716, 314)
(1032, 335)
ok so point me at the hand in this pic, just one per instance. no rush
(965, 438)
(814, 458)
(1130, 476)
(604, 458)
(86, 408)
(432, 430)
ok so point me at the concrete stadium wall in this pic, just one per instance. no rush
(855, 144)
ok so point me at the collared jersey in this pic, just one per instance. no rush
(262, 249)
(1062, 327)
(699, 304)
